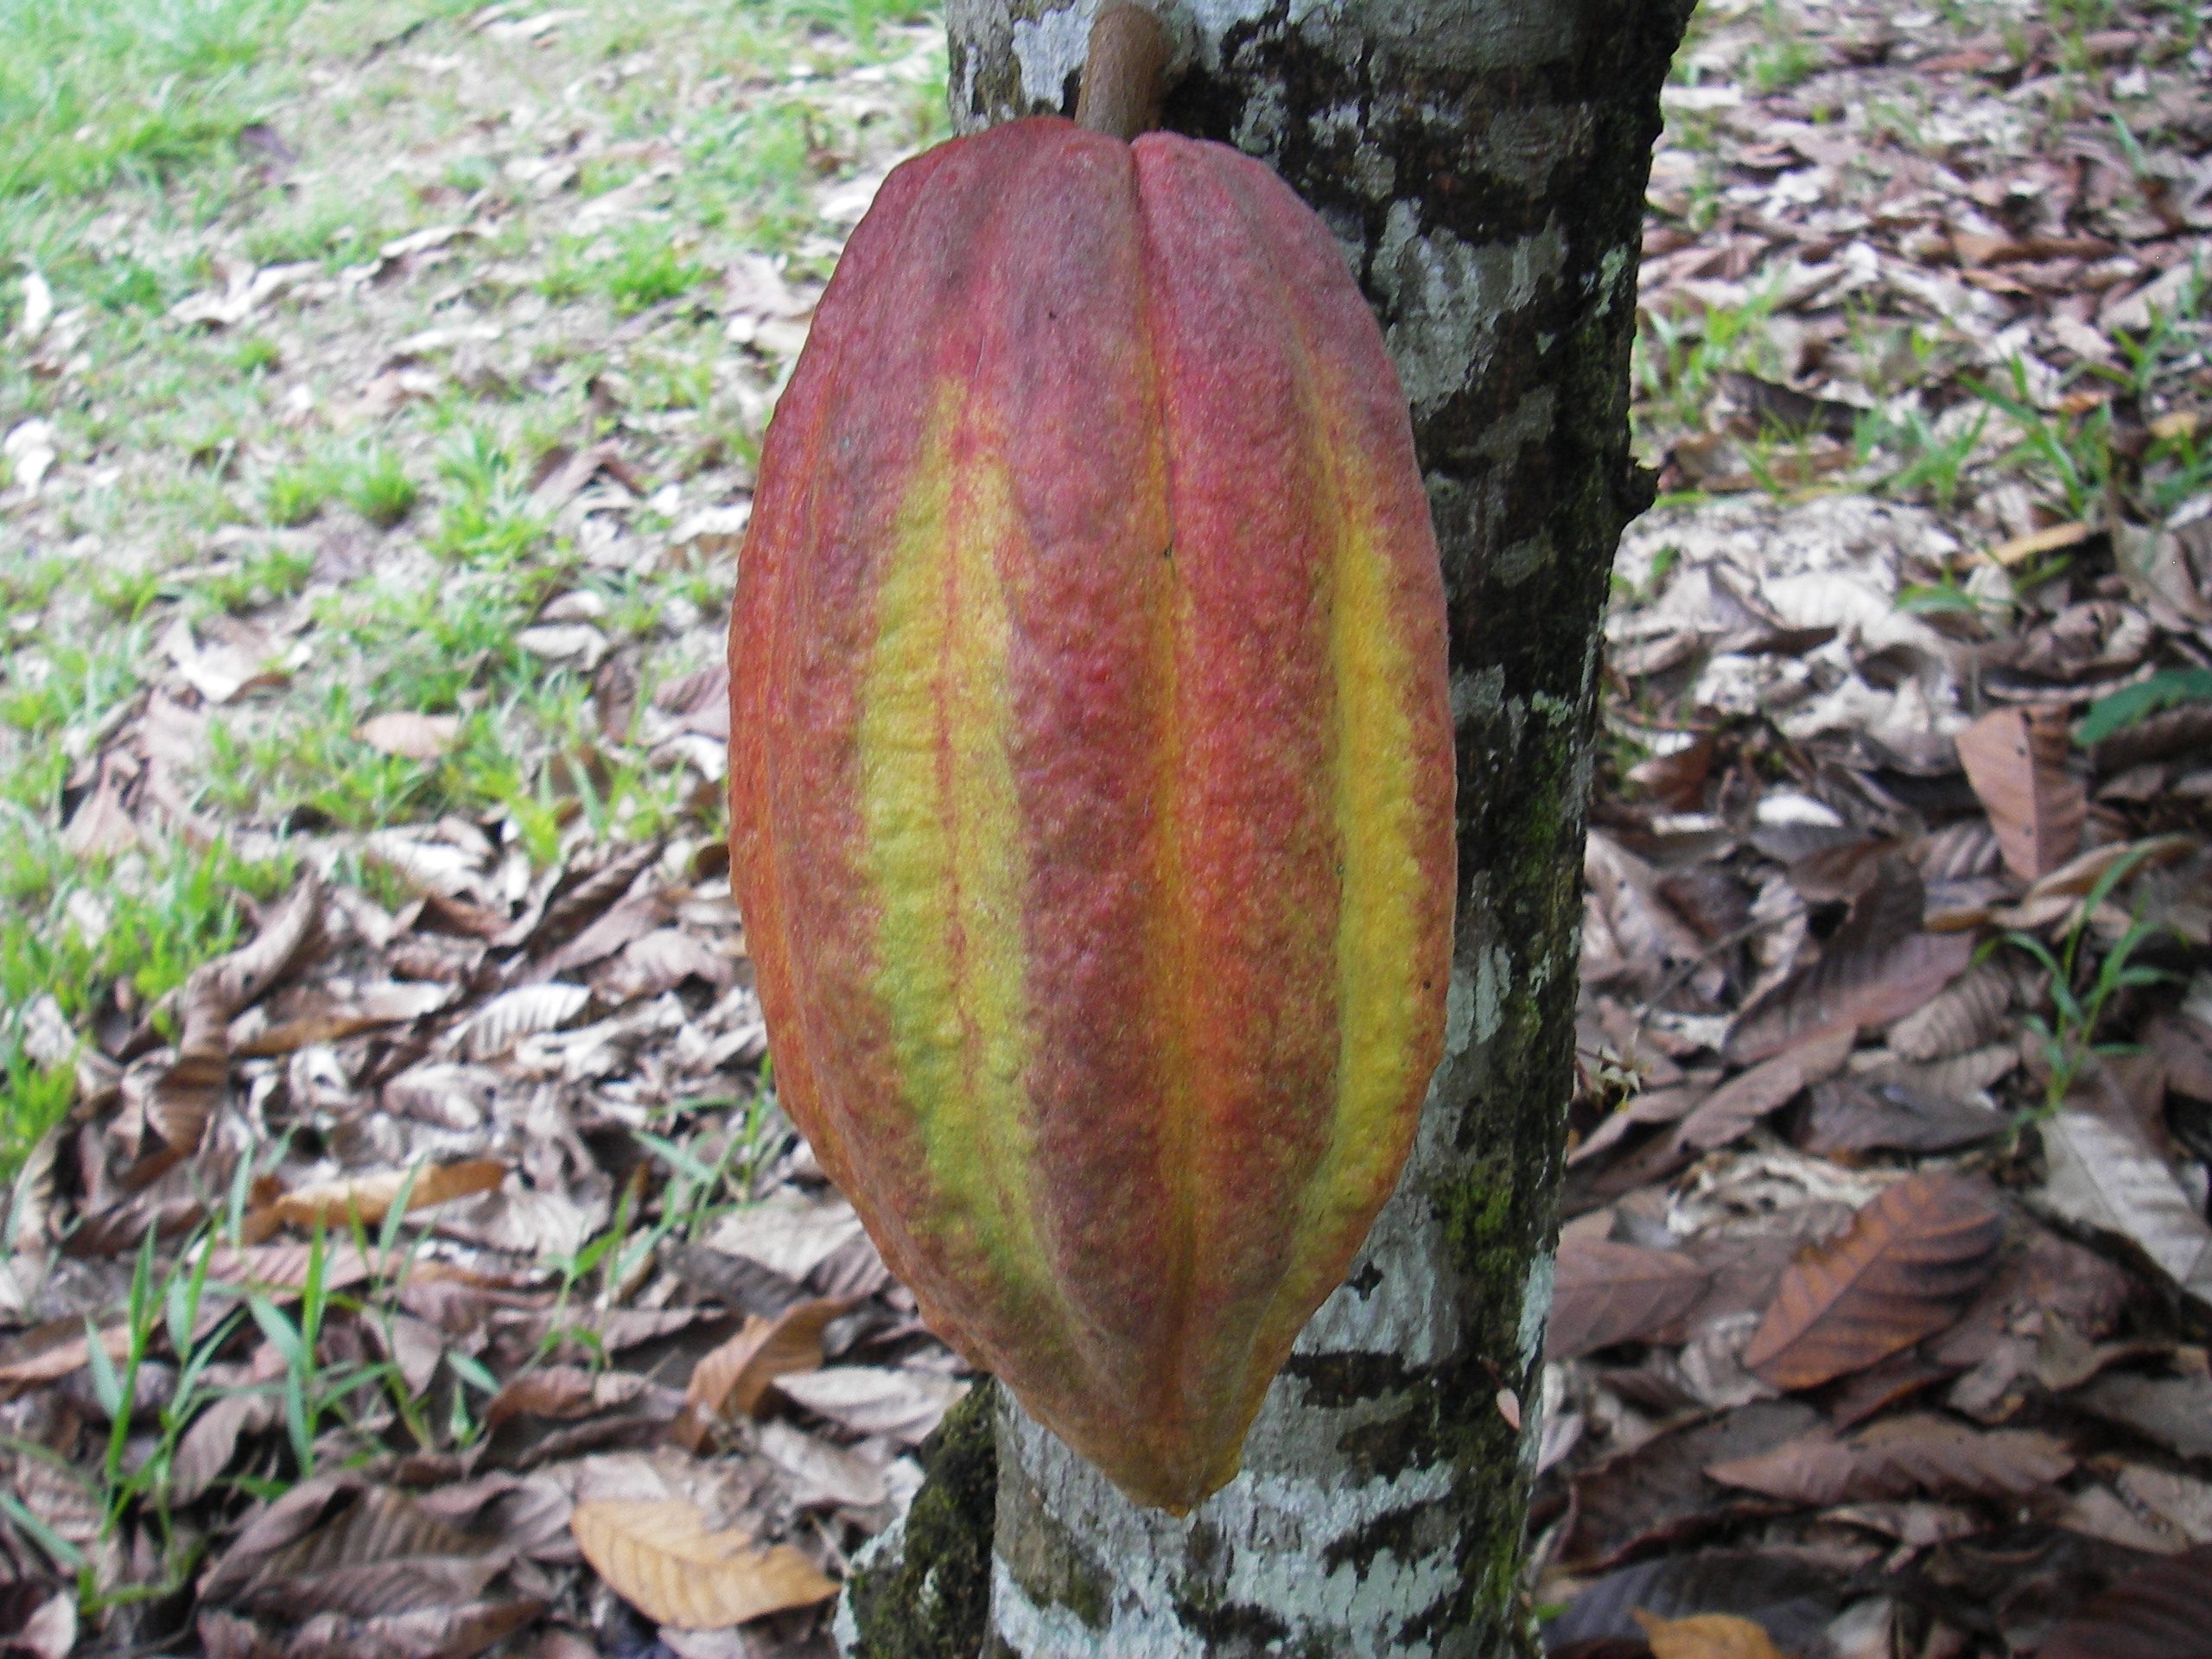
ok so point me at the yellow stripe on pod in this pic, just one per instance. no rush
(944, 846)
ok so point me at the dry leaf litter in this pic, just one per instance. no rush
(433, 1270)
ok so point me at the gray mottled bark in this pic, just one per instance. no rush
(1483, 163)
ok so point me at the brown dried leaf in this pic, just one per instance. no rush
(2181, 1504)
(1847, 1114)
(1706, 1635)
(1896, 1457)
(900, 1405)
(2163, 1610)
(337, 1203)
(2105, 1178)
(789, 1232)
(658, 1556)
(2017, 765)
(730, 1381)
(331, 1024)
(1676, 780)
(1605, 1293)
(699, 701)
(423, 1633)
(659, 962)
(102, 826)
(1652, 1493)
(48, 1352)
(207, 1447)
(217, 992)
(591, 892)
(1743, 1101)
(284, 1267)
(1907, 1264)
(1878, 966)
(512, 1015)
(36, 1622)
(410, 736)
(2094, 1512)
(561, 1411)
(631, 919)
(822, 1476)
(1964, 1014)
(2175, 1411)
(335, 1545)
(1789, 1598)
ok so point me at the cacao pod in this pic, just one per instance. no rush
(1091, 772)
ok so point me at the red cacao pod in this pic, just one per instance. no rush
(1091, 772)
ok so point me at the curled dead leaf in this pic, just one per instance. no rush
(369, 1198)
(730, 1381)
(659, 1555)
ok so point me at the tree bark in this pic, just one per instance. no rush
(1483, 164)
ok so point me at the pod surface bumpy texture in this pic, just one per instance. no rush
(1091, 772)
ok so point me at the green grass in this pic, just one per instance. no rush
(375, 484)
(95, 91)
(152, 916)
(247, 476)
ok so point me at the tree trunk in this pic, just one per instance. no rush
(1483, 164)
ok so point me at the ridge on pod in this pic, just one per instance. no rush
(1091, 772)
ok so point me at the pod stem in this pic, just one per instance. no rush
(1125, 76)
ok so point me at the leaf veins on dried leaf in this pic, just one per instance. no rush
(2163, 1610)
(1963, 1015)
(1898, 1456)
(905, 1406)
(1734, 1106)
(2016, 767)
(2104, 1178)
(658, 1556)
(1605, 1293)
(730, 1381)
(367, 1197)
(1904, 1270)
(332, 1545)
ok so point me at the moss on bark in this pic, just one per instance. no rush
(931, 1599)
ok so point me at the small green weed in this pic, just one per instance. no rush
(261, 578)
(2071, 452)
(2120, 709)
(2081, 994)
(1933, 459)
(255, 355)
(375, 484)
(293, 494)
(647, 269)
(1783, 57)
(487, 518)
